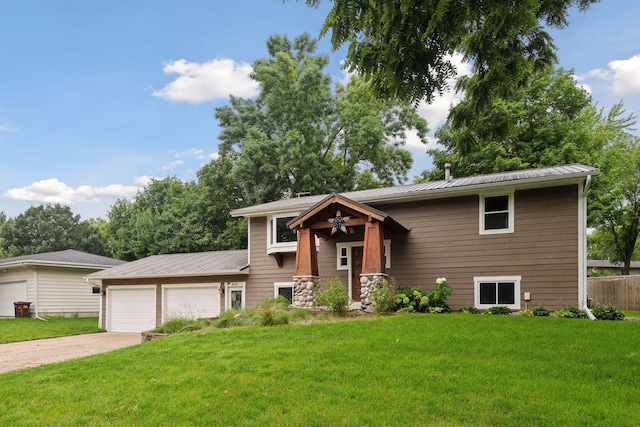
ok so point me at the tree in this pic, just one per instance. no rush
(299, 136)
(49, 228)
(551, 121)
(615, 206)
(403, 47)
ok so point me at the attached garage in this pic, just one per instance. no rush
(143, 294)
(131, 308)
(10, 292)
(190, 301)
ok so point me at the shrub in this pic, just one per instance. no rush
(411, 300)
(498, 310)
(439, 295)
(229, 319)
(334, 296)
(607, 312)
(541, 312)
(469, 310)
(571, 313)
(384, 297)
(178, 324)
(526, 313)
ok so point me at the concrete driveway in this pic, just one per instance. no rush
(27, 354)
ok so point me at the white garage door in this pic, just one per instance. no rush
(131, 308)
(190, 301)
(10, 292)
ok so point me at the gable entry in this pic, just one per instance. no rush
(327, 218)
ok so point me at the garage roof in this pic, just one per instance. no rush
(175, 265)
(66, 258)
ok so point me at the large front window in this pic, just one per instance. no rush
(497, 291)
(280, 237)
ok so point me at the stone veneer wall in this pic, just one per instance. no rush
(369, 284)
(304, 291)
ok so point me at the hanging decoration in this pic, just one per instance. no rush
(339, 223)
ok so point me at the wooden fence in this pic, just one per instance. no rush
(622, 292)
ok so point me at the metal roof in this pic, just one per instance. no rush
(543, 177)
(191, 264)
(69, 258)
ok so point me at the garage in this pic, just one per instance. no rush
(192, 301)
(131, 308)
(10, 292)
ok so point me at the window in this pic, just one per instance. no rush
(344, 254)
(496, 214)
(497, 291)
(283, 289)
(281, 238)
(234, 292)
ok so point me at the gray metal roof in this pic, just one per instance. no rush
(543, 177)
(174, 265)
(69, 257)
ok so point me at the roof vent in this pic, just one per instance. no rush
(447, 171)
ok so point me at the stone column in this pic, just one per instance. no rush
(305, 289)
(369, 283)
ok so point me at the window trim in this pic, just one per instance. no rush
(234, 286)
(496, 279)
(279, 285)
(510, 213)
(349, 245)
(272, 245)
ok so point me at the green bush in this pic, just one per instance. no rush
(607, 312)
(498, 310)
(384, 297)
(229, 319)
(526, 313)
(571, 313)
(541, 312)
(469, 310)
(179, 324)
(439, 295)
(334, 296)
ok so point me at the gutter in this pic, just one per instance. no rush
(244, 271)
(583, 272)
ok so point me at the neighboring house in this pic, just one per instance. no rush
(595, 266)
(515, 239)
(143, 294)
(52, 282)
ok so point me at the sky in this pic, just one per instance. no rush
(98, 97)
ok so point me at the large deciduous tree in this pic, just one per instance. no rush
(49, 228)
(299, 135)
(404, 47)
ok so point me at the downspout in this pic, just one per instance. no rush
(582, 273)
(37, 316)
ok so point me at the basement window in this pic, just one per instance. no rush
(497, 291)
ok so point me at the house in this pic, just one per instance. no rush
(52, 282)
(595, 266)
(515, 239)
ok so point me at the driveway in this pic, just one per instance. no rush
(28, 354)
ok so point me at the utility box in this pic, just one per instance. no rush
(21, 308)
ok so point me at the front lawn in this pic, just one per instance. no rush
(435, 370)
(25, 329)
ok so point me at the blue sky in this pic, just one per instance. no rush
(97, 97)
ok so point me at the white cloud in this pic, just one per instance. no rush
(54, 191)
(626, 75)
(6, 128)
(143, 181)
(200, 82)
(172, 165)
(213, 156)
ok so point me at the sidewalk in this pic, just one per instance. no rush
(28, 354)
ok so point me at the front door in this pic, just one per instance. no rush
(356, 269)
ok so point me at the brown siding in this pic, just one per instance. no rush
(444, 241)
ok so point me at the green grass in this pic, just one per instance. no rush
(25, 329)
(631, 313)
(432, 370)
